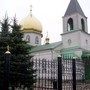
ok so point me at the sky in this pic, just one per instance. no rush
(48, 12)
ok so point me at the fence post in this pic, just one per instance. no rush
(7, 69)
(74, 73)
(59, 73)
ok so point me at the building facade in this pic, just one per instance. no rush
(75, 41)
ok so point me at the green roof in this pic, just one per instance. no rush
(46, 47)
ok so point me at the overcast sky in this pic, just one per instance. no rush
(48, 12)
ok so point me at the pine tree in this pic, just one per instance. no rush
(4, 41)
(4, 36)
(21, 66)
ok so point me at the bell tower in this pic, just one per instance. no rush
(75, 32)
(74, 18)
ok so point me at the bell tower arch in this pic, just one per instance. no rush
(75, 32)
(74, 18)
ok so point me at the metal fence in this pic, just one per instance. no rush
(46, 74)
(60, 74)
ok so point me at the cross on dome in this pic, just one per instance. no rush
(31, 10)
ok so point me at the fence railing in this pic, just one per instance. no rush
(60, 74)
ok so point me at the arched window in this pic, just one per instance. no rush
(69, 41)
(28, 38)
(36, 40)
(82, 24)
(86, 41)
(70, 24)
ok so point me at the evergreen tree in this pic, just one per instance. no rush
(4, 36)
(4, 41)
(21, 66)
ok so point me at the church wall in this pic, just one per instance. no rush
(79, 22)
(32, 38)
(71, 39)
(85, 40)
(79, 39)
(45, 54)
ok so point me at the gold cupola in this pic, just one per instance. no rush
(31, 24)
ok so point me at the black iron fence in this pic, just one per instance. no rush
(60, 74)
(46, 74)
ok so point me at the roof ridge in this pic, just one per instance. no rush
(46, 46)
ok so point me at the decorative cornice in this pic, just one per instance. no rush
(75, 31)
(32, 31)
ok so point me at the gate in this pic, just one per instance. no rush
(60, 74)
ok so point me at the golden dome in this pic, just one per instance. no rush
(30, 23)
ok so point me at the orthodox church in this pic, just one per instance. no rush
(75, 36)
(75, 40)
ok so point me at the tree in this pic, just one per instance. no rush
(4, 36)
(4, 41)
(21, 66)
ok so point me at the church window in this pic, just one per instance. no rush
(69, 41)
(70, 24)
(86, 41)
(82, 24)
(36, 40)
(28, 38)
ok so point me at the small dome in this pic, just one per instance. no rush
(31, 23)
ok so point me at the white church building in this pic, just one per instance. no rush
(75, 36)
